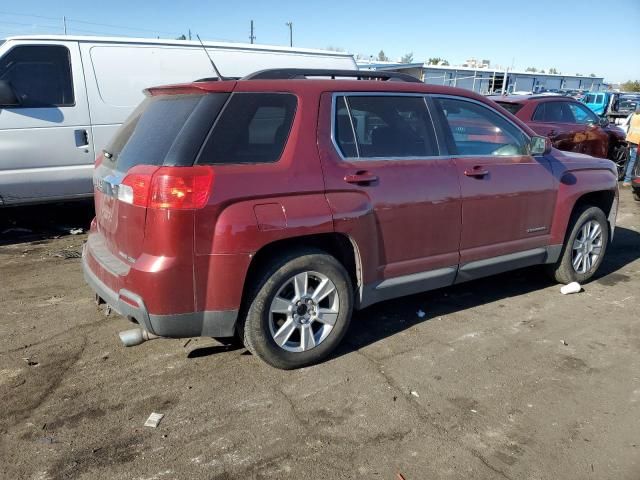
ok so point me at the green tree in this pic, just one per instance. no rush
(553, 71)
(331, 48)
(630, 86)
(382, 57)
(542, 71)
(592, 74)
(531, 69)
(437, 61)
(182, 37)
(407, 58)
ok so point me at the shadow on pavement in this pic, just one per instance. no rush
(38, 222)
(388, 318)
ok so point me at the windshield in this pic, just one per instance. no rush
(511, 107)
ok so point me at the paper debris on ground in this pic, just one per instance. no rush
(414, 393)
(76, 231)
(421, 314)
(573, 287)
(154, 420)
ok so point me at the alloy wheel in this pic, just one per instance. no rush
(304, 311)
(587, 247)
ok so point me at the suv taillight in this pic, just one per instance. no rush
(174, 188)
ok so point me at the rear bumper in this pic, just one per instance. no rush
(129, 304)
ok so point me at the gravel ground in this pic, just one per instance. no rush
(503, 378)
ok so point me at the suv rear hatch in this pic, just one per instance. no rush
(147, 169)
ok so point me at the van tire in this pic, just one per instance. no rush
(258, 325)
(563, 271)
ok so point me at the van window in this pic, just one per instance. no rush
(164, 130)
(39, 75)
(590, 98)
(388, 126)
(478, 130)
(600, 98)
(253, 128)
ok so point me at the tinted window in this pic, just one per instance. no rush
(343, 130)
(253, 128)
(589, 98)
(390, 127)
(582, 114)
(599, 98)
(478, 130)
(39, 75)
(164, 130)
(553, 112)
(511, 107)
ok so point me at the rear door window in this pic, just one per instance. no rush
(252, 128)
(40, 75)
(553, 112)
(385, 126)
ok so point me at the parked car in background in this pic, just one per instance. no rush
(272, 207)
(570, 125)
(63, 97)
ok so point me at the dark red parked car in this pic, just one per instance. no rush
(270, 207)
(570, 125)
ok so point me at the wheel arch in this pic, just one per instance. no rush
(340, 246)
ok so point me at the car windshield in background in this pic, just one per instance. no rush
(150, 132)
(511, 107)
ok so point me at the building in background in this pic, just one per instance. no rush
(479, 76)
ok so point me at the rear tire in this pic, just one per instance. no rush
(584, 247)
(290, 303)
(636, 196)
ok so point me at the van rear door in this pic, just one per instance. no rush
(46, 149)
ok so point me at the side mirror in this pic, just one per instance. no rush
(539, 146)
(7, 96)
(604, 122)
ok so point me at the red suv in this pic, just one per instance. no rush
(570, 125)
(271, 207)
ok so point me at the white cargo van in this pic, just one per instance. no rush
(63, 97)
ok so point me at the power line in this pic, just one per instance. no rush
(85, 22)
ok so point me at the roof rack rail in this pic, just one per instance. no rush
(302, 73)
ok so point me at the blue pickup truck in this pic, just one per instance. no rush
(612, 105)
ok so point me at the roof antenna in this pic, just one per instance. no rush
(215, 69)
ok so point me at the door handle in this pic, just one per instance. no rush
(81, 137)
(477, 172)
(361, 178)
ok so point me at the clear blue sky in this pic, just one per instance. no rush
(572, 36)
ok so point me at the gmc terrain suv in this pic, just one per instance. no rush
(269, 208)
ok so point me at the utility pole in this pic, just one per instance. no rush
(290, 25)
(252, 37)
(64, 24)
(189, 34)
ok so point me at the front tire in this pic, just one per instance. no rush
(584, 247)
(300, 309)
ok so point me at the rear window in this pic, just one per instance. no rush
(510, 107)
(253, 128)
(164, 130)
